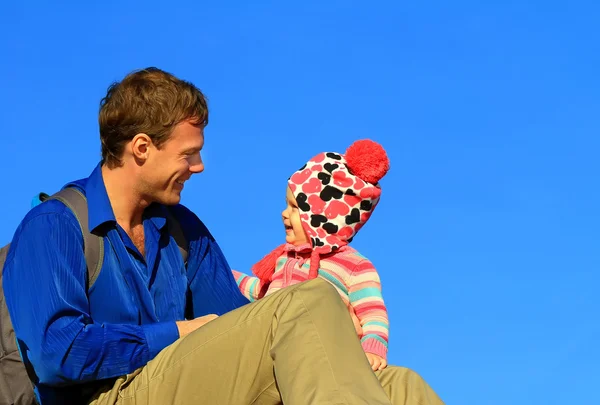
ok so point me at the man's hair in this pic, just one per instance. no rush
(149, 101)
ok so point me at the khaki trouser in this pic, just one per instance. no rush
(297, 346)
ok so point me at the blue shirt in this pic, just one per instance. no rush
(78, 340)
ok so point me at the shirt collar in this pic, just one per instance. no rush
(303, 248)
(100, 209)
(157, 213)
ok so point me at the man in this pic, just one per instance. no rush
(150, 330)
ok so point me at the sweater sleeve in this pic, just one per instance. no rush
(367, 301)
(251, 287)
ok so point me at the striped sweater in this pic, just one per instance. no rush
(354, 277)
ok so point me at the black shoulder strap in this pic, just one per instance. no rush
(93, 245)
(177, 233)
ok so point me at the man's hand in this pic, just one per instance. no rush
(187, 327)
(376, 362)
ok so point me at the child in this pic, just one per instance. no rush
(328, 200)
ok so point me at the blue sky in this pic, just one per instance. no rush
(487, 234)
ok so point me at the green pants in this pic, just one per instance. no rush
(297, 346)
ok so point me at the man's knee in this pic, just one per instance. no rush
(321, 291)
(320, 287)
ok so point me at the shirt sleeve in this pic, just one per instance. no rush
(367, 301)
(250, 286)
(212, 288)
(44, 283)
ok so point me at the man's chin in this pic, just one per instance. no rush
(172, 198)
(175, 200)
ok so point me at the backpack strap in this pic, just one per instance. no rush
(176, 232)
(93, 245)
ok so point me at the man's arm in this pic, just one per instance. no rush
(212, 288)
(45, 287)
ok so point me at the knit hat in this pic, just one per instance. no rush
(336, 195)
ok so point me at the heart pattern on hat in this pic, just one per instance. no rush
(336, 195)
(335, 200)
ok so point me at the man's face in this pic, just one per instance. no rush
(168, 168)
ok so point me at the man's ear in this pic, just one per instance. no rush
(140, 147)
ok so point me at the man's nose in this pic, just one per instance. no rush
(197, 168)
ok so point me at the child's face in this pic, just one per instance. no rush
(294, 233)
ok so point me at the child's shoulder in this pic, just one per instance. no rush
(347, 261)
(349, 253)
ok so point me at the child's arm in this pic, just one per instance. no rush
(251, 287)
(367, 301)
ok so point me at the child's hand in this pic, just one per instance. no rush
(376, 362)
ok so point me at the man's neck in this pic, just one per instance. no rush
(127, 203)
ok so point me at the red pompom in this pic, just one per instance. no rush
(367, 160)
